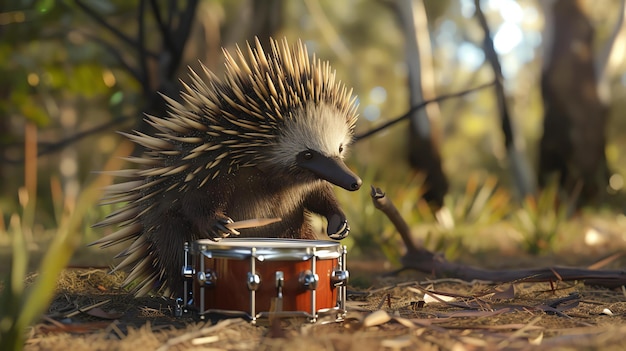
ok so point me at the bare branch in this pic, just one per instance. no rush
(519, 165)
(89, 11)
(117, 33)
(181, 35)
(170, 14)
(54, 147)
(115, 53)
(164, 28)
(492, 57)
(419, 106)
(382, 203)
(141, 47)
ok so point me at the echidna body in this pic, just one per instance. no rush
(265, 141)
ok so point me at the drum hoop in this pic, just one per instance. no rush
(284, 249)
(266, 315)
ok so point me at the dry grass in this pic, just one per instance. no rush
(516, 319)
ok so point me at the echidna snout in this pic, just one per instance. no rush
(331, 169)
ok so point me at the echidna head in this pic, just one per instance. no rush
(313, 142)
(281, 112)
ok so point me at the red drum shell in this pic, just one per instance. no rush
(230, 260)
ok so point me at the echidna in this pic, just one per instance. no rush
(265, 141)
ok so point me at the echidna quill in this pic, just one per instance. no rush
(266, 141)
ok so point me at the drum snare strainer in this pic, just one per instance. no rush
(265, 277)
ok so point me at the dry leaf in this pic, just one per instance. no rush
(376, 318)
(357, 306)
(432, 298)
(205, 340)
(397, 343)
(537, 340)
(405, 322)
(473, 341)
(505, 294)
(607, 312)
(458, 347)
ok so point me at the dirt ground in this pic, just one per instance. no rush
(406, 312)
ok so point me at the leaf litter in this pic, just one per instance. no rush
(89, 312)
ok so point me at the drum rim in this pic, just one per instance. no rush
(302, 249)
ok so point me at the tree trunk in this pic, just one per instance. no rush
(575, 117)
(423, 150)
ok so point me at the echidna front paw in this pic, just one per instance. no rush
(338, 227)
(220, 229)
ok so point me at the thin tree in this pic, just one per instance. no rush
(423, 149)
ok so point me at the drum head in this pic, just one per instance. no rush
(267, 248)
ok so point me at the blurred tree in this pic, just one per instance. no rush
(79, 68)
(49, 77)
(153, 60)
(423, 145)
(575, 115)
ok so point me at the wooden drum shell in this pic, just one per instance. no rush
(230, 262)
(231, 292)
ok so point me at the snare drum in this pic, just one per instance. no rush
(263, 277)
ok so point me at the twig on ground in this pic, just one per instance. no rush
(113, 327)
(85, 309)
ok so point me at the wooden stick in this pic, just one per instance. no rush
(255, 222)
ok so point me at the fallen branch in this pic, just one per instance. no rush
(422, 260)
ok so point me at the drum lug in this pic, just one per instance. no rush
(309, 279)
(339, 277)
(207, 278)
(179, 307)
(280, 283)
(188, 272)
(254, 280)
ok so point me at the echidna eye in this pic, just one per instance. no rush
(340, 148)
(307, 155)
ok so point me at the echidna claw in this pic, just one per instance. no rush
(340, 227)
(376, 193)
(342, 233)
(221, 229)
